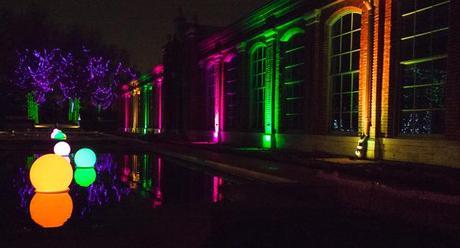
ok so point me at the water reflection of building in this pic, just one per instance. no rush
(157, 200)
(143, 174)
(217, 195)
(318, 75)
(135, 174)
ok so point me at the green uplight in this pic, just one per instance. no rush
(146, 99)
(267, 141)
(85, 157)
(85, 176)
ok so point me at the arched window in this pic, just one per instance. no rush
(423, 66)
(293, 82)
(345, 36)
(230, 91)
(210, 95)
(258, 73)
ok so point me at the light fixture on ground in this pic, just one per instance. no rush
(51, 173)
(360, 151)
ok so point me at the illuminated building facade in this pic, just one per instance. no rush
(324, 76)
(141, 102)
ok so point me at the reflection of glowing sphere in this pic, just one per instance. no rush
(51, 173)
(85, 176)
(51, 210)
(62, 148)
(85, 157)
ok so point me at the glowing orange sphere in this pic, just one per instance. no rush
(51, 210)
(51, 173)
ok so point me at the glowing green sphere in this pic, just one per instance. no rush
(60, 136)
(84, 176)
(85, 157)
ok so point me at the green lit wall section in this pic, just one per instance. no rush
(276, 87)
(146, 93)
(273, 27)
(266, 88)
(268, 118)
(271, 86)
(272, 39)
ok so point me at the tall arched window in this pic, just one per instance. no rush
(345, 36)
(423, 66)
(293, 81)
(258, 73)
(230, 91)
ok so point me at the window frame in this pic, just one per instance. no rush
(257, 120)
(299, 99)
(420, 60)
(231, 66)
(353, 94)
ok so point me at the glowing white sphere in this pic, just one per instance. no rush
(53, 134)
(58, 135)
(62, 148)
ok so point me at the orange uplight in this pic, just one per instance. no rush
(51, 173)
(51, 210)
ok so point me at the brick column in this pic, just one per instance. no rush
(387, 87)
(373, 52)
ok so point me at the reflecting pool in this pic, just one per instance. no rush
(146, 200)
(129, 182)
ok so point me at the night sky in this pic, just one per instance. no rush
(138, 26)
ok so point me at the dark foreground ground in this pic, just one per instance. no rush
(279, 199)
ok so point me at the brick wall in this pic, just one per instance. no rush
(452, 89)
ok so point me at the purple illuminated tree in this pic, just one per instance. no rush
(61, 76)
(98, 70)
(105, 79)
(44, 71)
(38, 72)
(69, 76)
